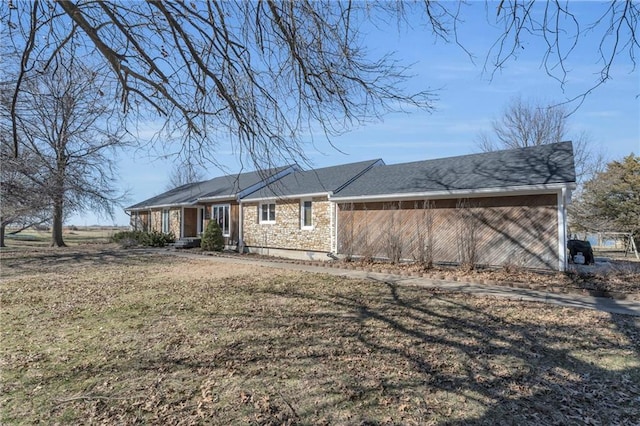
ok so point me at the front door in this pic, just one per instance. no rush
(190, 222)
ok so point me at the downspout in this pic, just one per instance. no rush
(240, 235)
(562, 229)
(334, 227)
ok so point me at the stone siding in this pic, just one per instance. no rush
(174, 221)
(287, 232)
(139, 221)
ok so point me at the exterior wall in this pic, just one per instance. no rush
(156, 220)
(287, 232)
(520, 230)
(139, 220)
(174, 221)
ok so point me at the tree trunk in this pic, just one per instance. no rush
(56, 228)
(2, 229)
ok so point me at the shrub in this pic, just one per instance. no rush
(123, 237)
(212, 239)
(142, 238)
(158, 239)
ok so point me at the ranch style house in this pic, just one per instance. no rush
(494, 208)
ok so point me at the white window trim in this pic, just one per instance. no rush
(228, 207)
(168, 221)
(302, 225)
(266, 222)
(200, 220)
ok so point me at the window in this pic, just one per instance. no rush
(268, 213)
(305, 215)
(165, 221)
(220, 214)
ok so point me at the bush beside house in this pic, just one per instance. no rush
(212, 239)
(142, 238)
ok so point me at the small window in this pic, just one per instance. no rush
(268, 213)
(305, 215)
(165, 221)
(220, 213)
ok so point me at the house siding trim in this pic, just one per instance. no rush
(287, 197)
(163, 206)
(459, 193)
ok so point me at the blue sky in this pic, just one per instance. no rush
(468, 100)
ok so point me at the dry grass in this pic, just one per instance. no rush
(32, 238)
(99, 336)
(619, 275)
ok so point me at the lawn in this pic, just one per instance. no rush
(95, 334)
(30, 238)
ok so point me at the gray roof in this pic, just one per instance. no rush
(229, 187)
(315, 181)
(539, 165)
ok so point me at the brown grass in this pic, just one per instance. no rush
(98, 336)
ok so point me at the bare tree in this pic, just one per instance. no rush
(468, 229)
(266, 73)
(21, 202)
(184, 173)
(68, 129)
(527, 123)
(561, 28)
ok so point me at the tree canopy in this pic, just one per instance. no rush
(610, 201)
(266, 73)
(67, 134)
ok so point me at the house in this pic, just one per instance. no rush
(293, 216)
(497, 208)
(186, 210)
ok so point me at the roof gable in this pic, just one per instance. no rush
(222, 187)
(539, 165)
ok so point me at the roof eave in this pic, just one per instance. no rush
(288, 196)
(216, 198)
(161, 206)
(472, 193)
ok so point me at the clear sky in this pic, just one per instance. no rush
(468, 100)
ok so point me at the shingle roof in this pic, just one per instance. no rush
(228, 186)
(539, 165)
(315, 181)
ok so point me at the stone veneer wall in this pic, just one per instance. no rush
(286, 232)
(139, 221)
(174, 221)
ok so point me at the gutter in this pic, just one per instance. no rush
(475, 193)
(288, 197)
(161, 206)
